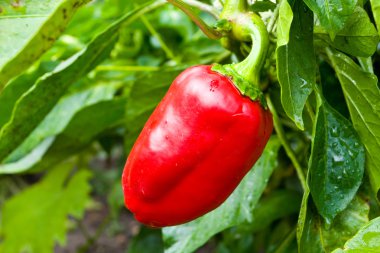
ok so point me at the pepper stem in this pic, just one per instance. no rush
(249, 26)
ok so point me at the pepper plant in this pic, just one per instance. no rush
(79, 80)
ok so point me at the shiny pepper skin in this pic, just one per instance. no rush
(195, 148)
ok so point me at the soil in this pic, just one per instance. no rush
(95, 234)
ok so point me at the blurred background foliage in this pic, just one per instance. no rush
(69, 118)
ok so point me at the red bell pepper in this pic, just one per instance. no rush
(195, 148)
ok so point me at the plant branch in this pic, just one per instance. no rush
(155, 34)
(281, 135)
(191, 13)
(204, 7)
(273, 19)
(310, 111)
(285, 244)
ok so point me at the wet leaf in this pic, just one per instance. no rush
(366, 240)
(296, 65)
(336, 164)
(333, 14)
(363, 99)
(358, 37)
(318, 237)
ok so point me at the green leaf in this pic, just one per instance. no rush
(84, 127)
(261, 6)
(296, 65)
(60, 116)
(318, 237)
(363, 99)
(285, 17)
(147, 241)
(376, 13)
(278, 204)
(33, 106)
(358, 37)
(308, 239)
(46, 206)
(28, 29)
(237, 209)
(366, 240)
(332, 14)
(337, 163)
(19, 85)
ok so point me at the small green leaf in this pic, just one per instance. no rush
(261, 6)
(237, 209)
(285, 17)
(336, 164)
(296, 65)
(333, 14)
(363, 99)
(48, 204)
(28, 29)
(358, 37)
(366, 240)
(375, 4)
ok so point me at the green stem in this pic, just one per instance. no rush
(246, 27)
(135, 14)
(289, 152)
(285, 243)
(148, 25)
(273, 19)
(192, 14)
(310, 111)
(250, 25)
